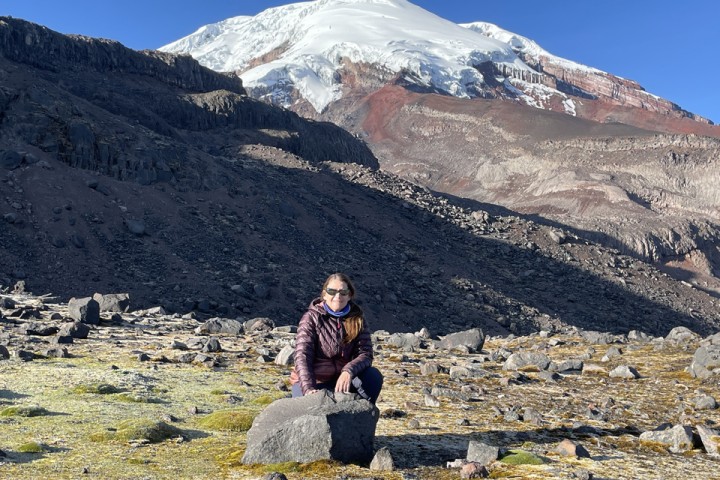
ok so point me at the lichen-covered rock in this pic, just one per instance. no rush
(678, 438)
(321, 426)
(527, 360)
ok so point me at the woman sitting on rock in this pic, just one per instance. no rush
(333, 348)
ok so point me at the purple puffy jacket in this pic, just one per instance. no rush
(320, 355)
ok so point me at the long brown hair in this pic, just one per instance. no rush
(353, 322)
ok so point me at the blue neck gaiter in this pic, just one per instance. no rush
(337, 314)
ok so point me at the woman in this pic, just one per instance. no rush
(333, 348)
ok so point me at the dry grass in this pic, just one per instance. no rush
(104, 414)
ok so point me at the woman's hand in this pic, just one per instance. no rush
(343, 383)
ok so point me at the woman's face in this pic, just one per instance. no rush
(341, 296)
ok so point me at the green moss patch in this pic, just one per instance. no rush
(31, 447)
(317, 469)
(521, 457)
(229, 420)
(264, 400)
(23, 411)
(97, 388)
(139, 429)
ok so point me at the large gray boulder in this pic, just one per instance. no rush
(85, 310)
(113, 302)
(220, 325)
(527, 360)
(321, 426)
(474, 339)
(706, 362)
(679, 438)
(682, 335)
(406, 341)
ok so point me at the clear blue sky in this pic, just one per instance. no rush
(671, 48)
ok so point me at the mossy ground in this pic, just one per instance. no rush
(212, 407)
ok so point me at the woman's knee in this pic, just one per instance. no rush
(372, 375)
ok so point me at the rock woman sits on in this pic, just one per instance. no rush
(333, 348)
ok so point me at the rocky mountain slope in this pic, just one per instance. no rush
(650, 195)
(568, 145)
(115, 181)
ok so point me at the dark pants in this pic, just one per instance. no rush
(372, 382)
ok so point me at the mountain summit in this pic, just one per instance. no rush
(316, 52)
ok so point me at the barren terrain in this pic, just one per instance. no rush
(145, 366)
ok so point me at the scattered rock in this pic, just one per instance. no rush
(76, 329)
(624, 371)
(710, 439)
(527, 360)
(85, 310)
(706, 362)
(705, 402)
(216, 326)
(678, 438)
(136, 227)
(260, 324)
(285, 356)
(405, 341)
(474, 470)
(431, 401)
(113, 302)
(482, 453)
(473, 339)
(682, 335)
(383, 461)
(572, 449)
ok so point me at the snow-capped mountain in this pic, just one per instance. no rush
(306, 45)
(316, 52)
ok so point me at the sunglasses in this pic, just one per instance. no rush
(334, 291)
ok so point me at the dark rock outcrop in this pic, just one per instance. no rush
(72, 96)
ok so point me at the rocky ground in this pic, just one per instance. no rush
(63, 401)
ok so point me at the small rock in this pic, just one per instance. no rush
(212, 345)
(705, 402)
(474, 470)
(275, 476)
(382, 461)
(572, 449)
(136, 227)
(624, 371)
